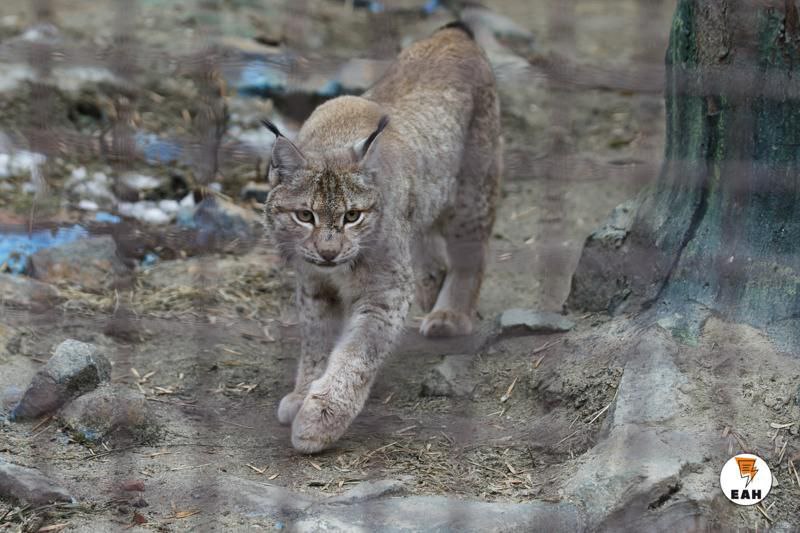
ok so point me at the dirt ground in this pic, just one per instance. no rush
(211, 339)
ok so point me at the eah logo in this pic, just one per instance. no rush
(745, 479)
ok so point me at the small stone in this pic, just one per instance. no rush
(88, 205)
(94, 188)
(256, 191)
(28, 486)
(370, 490)
(92, 264)
(145, 211)
(20, 163)
(26, 293)
(74, 369)
(114, 413)
(140, 182)
(450, 377)
(528, 321)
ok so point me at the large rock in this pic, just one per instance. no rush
(599, 282)
(28, 486)
(24, 293)
(528, 321)
(112, 413)
(649, 464)
(74, 369)
(91, 264)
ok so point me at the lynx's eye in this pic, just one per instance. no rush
(304, 216)
(353, 216)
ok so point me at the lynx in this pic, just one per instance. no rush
(375, 197)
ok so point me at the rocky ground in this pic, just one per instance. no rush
(159, 411)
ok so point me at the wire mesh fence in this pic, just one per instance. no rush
(133, 169)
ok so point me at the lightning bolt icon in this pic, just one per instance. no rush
(747, 468)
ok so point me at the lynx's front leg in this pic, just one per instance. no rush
(320, 326)
(335, 399)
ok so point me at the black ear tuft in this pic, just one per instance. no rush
(382, 123)
(272, 127)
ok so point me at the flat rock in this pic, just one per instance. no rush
(21, 292)
(28, 486)
(450, 377)
(370, 490)
(91, 264)
(438, 513)
(375, 508)
(74, 368)
(111, 412)
(529, 321)
(650, 389)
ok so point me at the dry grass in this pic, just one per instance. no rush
(248, 288)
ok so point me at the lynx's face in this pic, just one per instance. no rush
(323, 217)
(323, 210)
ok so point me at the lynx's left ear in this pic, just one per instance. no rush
(365, 149)
(286, 160)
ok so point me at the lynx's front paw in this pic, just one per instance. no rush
(320, 423)
(288, 407)
(446, 323)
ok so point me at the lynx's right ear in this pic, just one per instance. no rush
(365, 148)
(286, 159)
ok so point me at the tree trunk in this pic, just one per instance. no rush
(720, 229)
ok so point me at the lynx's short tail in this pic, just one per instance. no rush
(484, 26)
(459, 25)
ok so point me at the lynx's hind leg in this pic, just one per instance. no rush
(455, 305)
(469, 227)
(430, 267)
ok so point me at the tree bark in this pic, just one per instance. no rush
(720, 228)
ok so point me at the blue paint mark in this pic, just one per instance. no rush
(185, 217)
(263, 78)
(156, 150)
(259, 78)
(102, 216)
(331, 88)
(431, 6)
(88, 434)
(279, 525)
(15, 248)
(150, 259)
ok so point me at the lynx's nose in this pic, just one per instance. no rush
(328, 254)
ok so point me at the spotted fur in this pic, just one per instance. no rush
(414, 165)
